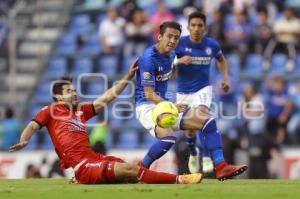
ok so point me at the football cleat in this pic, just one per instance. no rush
(194, 178)
(226, 171)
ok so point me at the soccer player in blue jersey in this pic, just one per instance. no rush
(194, 54)
(154, 71)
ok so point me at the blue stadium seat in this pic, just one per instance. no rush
(108, 65)
(66, 44)
(48, 143)
(57, 67)
(234, 65)
(128, 139)
(33, 110)
(278, 62)
(95, 89)
(92, 45)
(82, 65)
(80, 23)
(127, 61)
(148, 140)
(43, 93)
(254, 66)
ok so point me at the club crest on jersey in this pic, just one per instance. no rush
(78, 113)
(208, 51)
(146, 75)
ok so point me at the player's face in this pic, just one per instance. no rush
(169, 40)
(196, 29)
(69, 94)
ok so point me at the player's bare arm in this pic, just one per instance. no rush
(223, 68)
(152, 96)
(186, 60)
(114, 91)
(29, 130)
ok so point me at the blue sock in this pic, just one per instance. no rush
(213, 141)
(158, 149)
(191, 142)
(205, 151)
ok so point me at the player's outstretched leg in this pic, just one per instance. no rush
(213, 143)
(207, 164)
(125, 172)
(157, 150)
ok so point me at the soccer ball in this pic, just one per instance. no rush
(165, 114)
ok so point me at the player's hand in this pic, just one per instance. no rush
(225, 85)
(185, 60)
(18, 146)
(181, 107)
(132, 69)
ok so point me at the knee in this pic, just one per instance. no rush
(130, 170)
(190, 133)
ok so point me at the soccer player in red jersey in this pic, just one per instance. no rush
(65, 120)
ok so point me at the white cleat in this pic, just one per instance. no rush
(194, 165)
(207, 165)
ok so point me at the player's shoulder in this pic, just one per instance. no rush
(149, 54)
(45, 108)
(211, 41)
(184, 39)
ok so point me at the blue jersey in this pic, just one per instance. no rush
(195, 76)
(154, 70)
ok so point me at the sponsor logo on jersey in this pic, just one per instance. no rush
(78, 113)
(163, 77)
(201, 60)
(146, 75)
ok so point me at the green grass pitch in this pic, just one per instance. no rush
(208, 189)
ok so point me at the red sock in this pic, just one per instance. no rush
(154, 177)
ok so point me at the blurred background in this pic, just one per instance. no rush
(41, 41)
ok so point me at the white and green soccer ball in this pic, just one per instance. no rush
(165, 114)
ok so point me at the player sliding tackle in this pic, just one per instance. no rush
(155, 69)
(65, 120)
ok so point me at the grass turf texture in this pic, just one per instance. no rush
(208, 189)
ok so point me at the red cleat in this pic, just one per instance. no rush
(226, 171)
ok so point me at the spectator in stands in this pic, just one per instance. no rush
(161, 15)
(183, 19)
(216, 29)
(137, 32)
(126, 8)
(259, 143)
(287, 32)
(10, 128)
(32, 171)
(237, 34)
(226, 105)
(3, 40)
(278, 106)
(293, 127)
(262, 32)
(111, 33)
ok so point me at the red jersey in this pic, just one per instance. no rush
(68, 132)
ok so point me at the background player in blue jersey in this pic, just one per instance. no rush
(154, 71)
(194, 55)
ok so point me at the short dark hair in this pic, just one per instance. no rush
(58, 84)
(197, 14)
(169, 24)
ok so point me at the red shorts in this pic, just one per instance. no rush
(97, 171)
